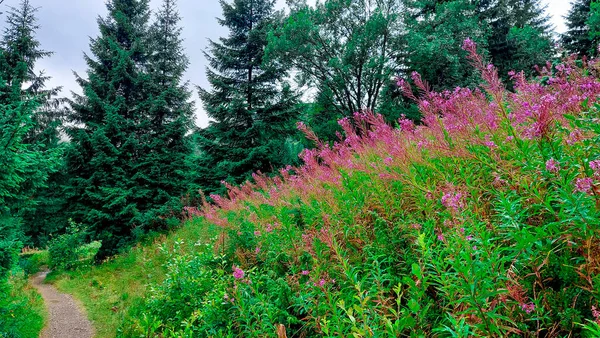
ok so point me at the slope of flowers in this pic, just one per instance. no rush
(482, 221)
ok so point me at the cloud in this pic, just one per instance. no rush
(67, 25)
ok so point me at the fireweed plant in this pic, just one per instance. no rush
(483, 221)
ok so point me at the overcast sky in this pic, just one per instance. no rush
(67, 25)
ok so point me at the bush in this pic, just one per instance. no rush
(70, 250)
(9, 245)
(32, 262)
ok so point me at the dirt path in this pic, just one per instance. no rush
(66, 318)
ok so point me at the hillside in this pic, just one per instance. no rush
(482, 221)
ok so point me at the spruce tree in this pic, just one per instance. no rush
(251, 107)
(107, 131)
(435, 31)
(161, 174)
(22, 52)
(519, 34)
(577, 38)
(26, 161)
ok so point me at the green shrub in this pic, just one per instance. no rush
(70, 250)
(33, 262)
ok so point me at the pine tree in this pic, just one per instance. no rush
(161, 175)
(107, 131)
(27, 161)
(577, 38)
(435, 31)
(519, 34)
(252, 108)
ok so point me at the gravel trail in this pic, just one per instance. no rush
(66, 318)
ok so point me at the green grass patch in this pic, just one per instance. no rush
(22, 310)
(110, 291)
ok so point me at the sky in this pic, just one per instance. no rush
(66, 27)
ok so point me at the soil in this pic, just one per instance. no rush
(66, 319)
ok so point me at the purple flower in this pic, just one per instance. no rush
(490, 144)
(238, 273)
(453, 201)
(528, 308)
(305, 272)
(468, 45)
(440, 237)
(595, 165)
(388, 160)
(583, 184)
(322, 282)
(552, 165)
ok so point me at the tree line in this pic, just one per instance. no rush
(124, 156)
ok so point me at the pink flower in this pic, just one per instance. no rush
(453, 201)
(595, 165)
(269, 228)
(322, 282)
(257, 233)
(238, 273)
(552, 165)
(257, 250)
(406, 125)
(583, 184)
(388, 160)
(528, 308)
(440, 237)
(469, 45)
(469, 238)
(305, 272)
(596, 314)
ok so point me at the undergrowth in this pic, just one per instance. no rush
(481, 222)
(22, 311)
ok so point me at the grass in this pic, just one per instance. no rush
(111, 290)
(24, 314)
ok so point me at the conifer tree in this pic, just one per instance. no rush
(26, 160)
(435, 31)
(107, 131)
(252, 108)
(519, 34)
(577, 38)
(161, 175)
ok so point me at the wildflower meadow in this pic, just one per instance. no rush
(481, 221)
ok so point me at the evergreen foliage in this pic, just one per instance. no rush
(516, 35)
(23, 50)
(434, 34)
(519, 34)
(577, 39)
(252, 108)
(26, 159)
(128, 137)
(162, 174)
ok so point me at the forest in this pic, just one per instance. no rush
(371, 168)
